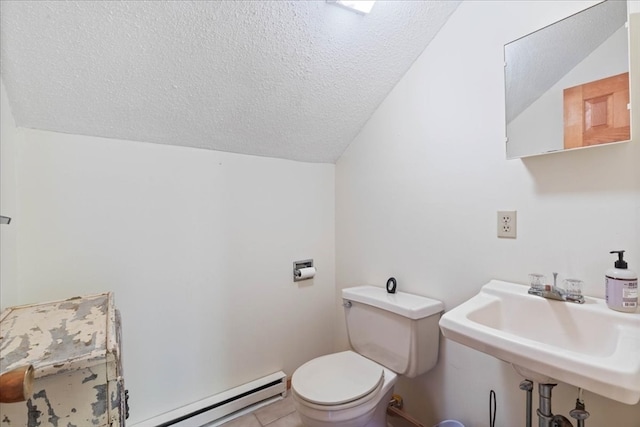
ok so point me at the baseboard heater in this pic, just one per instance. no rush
(206, 411)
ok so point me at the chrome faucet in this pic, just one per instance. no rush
(555, 292)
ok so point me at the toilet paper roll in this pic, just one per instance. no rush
(306, 273)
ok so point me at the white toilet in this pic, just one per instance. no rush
(392, 334)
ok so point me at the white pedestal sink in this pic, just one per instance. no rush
(585, 345)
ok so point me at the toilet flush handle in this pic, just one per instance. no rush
(347, 304)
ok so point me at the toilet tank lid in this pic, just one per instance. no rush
(402, 303)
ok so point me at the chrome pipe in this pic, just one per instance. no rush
(545, 416)
(528, 387)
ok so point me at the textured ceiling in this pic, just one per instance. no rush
(536, 62)
(288, 79)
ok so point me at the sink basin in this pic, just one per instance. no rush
(585, 345)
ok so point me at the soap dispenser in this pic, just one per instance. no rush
(621, 286)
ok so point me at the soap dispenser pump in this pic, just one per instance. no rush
(621, 286)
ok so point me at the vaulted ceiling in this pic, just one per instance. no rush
(288, 79)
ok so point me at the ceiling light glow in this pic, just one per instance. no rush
(360, 6)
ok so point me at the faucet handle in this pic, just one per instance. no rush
(536, 281)
(573, 287)
(579, 414)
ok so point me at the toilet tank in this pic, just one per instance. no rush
(400, 331)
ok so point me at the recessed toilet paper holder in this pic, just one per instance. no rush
(300, 265)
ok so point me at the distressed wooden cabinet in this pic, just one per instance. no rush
(75, 347)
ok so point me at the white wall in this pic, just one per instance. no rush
(9, 137)
(417, 194)
(198, 247)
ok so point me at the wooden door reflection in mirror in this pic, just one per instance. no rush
(597, 112)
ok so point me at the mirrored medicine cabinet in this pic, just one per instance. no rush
(567, 84)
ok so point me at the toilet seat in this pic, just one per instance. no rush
(343, 380)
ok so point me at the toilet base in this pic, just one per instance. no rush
(379, 418)
(375, 418)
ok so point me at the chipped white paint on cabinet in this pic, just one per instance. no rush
(74, 346)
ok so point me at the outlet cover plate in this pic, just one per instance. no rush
(507, 224)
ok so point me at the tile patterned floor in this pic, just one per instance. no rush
(278, 414)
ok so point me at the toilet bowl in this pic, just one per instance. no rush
(391, 335)
(342, 389)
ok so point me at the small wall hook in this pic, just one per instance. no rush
(391, 285)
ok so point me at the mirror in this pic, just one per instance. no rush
(567, 85)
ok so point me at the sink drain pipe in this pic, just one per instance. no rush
(395, 409)
(545, 415)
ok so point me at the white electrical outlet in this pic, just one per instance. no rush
(507, 224)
